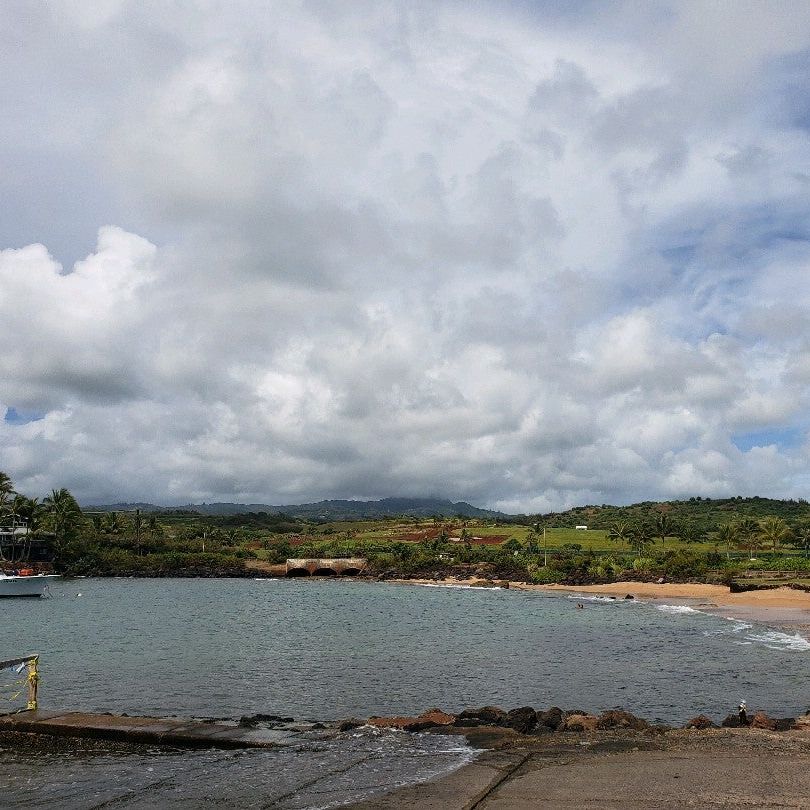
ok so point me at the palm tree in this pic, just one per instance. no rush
(114, 525)
(773, 531)
(748, 529)
(65, 518)
(620, 532)
(641, 537)
(25, 514)
(729, 534)
(6, 486)
(98, 525)
(691, 533)
(664, 527)
(137, 528)
(6, 491)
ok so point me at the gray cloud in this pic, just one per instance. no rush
(516, 256)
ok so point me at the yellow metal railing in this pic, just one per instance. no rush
(30, 682)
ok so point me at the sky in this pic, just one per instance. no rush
(529, 255)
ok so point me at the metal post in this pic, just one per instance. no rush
(33, 681)
(545, 549)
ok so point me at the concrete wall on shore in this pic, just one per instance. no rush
(325, 566)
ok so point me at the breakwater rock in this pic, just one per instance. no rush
(529, 721)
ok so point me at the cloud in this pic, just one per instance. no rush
(512, 254)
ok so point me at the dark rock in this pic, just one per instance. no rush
(255, 719)
(486, 715)
(522, 720)
(616, 718)
(350, 724)
(553, 718)
(701, 722)
(784, 723)
(629, 596)
(732, 721)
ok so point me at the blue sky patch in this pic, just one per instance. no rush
(782, 437)
(15, 417)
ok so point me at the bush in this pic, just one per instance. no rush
(542, 575)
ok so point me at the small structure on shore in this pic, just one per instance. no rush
(326, 567)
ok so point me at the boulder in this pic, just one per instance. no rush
(554, 718)
(761, 720)
(581, 722)
(616, 718)
(522, 720)
(802, 723)
(629, 596)
(732, 721)
(429, 719)
(784, 723)
(350, 723)
(485, 716)
(249, 720)
(701, 722)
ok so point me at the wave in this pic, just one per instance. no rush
(775, 640)
(677, 609)
(456, 587)
(595, 598)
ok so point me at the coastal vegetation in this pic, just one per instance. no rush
(735, 540)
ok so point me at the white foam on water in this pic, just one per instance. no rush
(739, 624)
(595, 598)
(775, 640)
(676, 609)
(456, 587)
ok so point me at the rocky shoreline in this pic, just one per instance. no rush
(576, 760)
(527, 720)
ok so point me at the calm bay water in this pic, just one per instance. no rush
(326, 649)
(322, 650)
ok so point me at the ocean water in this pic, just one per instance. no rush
(322, 650)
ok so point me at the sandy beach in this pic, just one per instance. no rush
(782, 607)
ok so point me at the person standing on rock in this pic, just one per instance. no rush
(743, 714)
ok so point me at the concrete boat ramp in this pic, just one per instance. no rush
(182, 733)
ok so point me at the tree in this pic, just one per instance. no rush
(137, 529)
(114, 524)
(691, 533)
(748, 529)
(773, 531)
(24, 515)
(65, 519)
(664, 527)
(620, 532)
(728, 534)
(641, 537)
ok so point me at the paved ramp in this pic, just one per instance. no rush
(153, 730)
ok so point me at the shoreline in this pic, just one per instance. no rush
(782, 607)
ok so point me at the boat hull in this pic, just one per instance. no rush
(11, 586)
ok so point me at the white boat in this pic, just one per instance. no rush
(25, 585)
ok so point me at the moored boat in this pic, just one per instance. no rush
(25, 585)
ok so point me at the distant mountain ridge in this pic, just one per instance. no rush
(321, 510)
